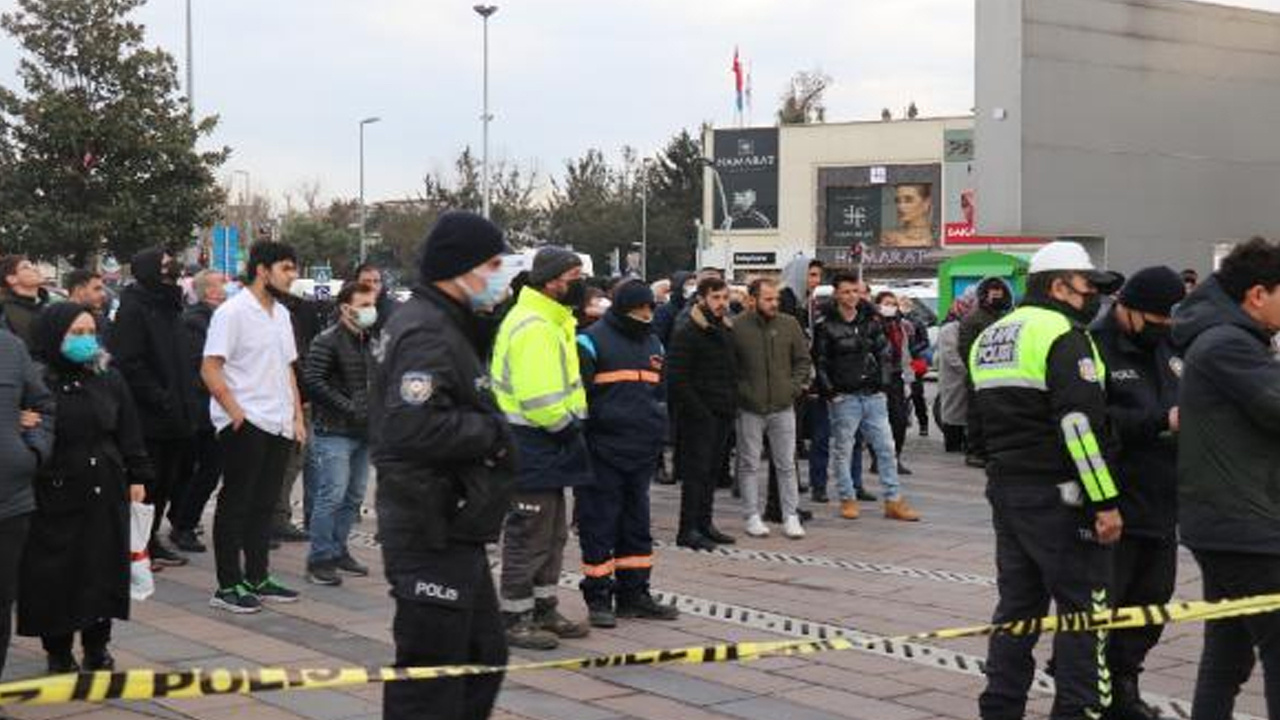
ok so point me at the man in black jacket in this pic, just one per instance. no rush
(851, 356)
(204, 462)
(1142, 408)
(995, 300)
(702, 381)
(443, 453)
(336, 375)
(1229, 465)
(151, 352)
(21, 296)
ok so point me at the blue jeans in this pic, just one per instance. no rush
(341, 467)
(819, 450)
(870, 415)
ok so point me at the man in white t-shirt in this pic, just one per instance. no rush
(257, 412)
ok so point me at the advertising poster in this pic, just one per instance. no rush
(961, 210)
(904, 211)
(747, 163)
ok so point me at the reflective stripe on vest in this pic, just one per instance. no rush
(634, 376)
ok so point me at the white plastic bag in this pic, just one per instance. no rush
(141, 584)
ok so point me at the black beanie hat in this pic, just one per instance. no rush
(630, 295)
(458, 243)
(550, 263)
(1153, 290)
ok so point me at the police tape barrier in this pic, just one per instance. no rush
(151, 684)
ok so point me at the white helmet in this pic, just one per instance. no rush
(1067, 256)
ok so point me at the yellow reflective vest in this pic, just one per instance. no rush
(535, 373)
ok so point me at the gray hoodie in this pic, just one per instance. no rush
(21, 452)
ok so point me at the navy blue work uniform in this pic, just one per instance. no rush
(621, 364)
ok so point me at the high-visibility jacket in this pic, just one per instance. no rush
(1040, 383)
(536, 379)
(538, 387)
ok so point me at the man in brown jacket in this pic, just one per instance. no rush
(773, 370)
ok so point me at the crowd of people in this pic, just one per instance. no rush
(1105, 429)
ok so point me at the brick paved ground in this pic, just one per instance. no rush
(881, 589)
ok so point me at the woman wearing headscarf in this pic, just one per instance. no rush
(953, 397)
(75, 569)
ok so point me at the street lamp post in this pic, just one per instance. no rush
(191, 91)
(363, 243)
(248, 221)
(644, 219)
(485, 11)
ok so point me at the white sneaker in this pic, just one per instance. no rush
(792, 527)
(756, 527)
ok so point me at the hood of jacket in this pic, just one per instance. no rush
(147, 270)
(990, 282)
(1208, 307)
(795, 276)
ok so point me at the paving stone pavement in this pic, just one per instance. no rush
(871, 575)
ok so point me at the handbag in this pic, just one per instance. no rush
(142, 584)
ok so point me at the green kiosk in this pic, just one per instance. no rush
(960, 272)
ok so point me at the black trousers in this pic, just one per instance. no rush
(974, 437)
(446, 614)
(1145, 570)
(204, 467)
(170, 460)
(953, 438)
(1228, 657)
(613, 533)
(93, 639)
(1041, 554)
(896, 394)
(253, 468)
(703, 443)
(13, 537)
(919, 404)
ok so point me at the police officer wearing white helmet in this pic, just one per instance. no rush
(1040, 391)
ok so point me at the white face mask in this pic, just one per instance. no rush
(689, 291)
(365, 317)
(889, 310)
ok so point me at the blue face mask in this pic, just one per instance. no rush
(489, 296)
(80, 349)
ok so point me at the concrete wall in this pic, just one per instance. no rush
(1149, 122)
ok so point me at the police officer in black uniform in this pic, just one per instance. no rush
(443, 454)
(1143, 371)
(1040, 390)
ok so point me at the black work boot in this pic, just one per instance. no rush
(549, 618)
(1127, 703)
(61, 663)
(644, 607)
(523, 632)
(600, 614)
(98, 659)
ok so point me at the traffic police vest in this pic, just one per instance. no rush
(1013, 356)
(536, 380)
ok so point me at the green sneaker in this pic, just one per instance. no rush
(236, 599)
(270, 590)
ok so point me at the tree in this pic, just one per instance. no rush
(318, 240)
(675, 204)
(99, 151)
(802, 102)
(595, 208)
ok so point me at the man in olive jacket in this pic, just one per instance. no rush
(773, 370)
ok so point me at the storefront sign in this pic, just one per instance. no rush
(747, 163)
(755, 258)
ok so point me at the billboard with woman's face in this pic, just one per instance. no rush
(888, 206)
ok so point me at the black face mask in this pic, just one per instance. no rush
(1084, 315)
(575, 295)
(1000, 304)
(171, 270)
(1151, 336)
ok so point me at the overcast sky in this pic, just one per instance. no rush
(291, 78)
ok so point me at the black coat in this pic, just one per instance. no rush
(309, 318)
(850, 357)
(702, 368)
(1142, 386)
(336, 374)
(18, 314)
(151, 352)
(1229, 407)
(75, 568)
(195, 323)
(443, 451)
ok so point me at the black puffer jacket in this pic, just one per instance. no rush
(850, 357)
(151, 351)
(336, 373)
(1229, 406)
(195, 321)
(702, 371)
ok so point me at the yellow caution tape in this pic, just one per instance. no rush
(152, 684)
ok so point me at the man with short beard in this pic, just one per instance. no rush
(150, 349)
(257, 410)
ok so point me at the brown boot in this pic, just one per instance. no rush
(900, 510)
(849, 509)
(548, 618)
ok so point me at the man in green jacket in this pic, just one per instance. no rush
(773, 370)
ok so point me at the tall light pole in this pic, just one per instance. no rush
(644, 218)
(485, 11)
(191, 91)
(244, 209)
(363, 244)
